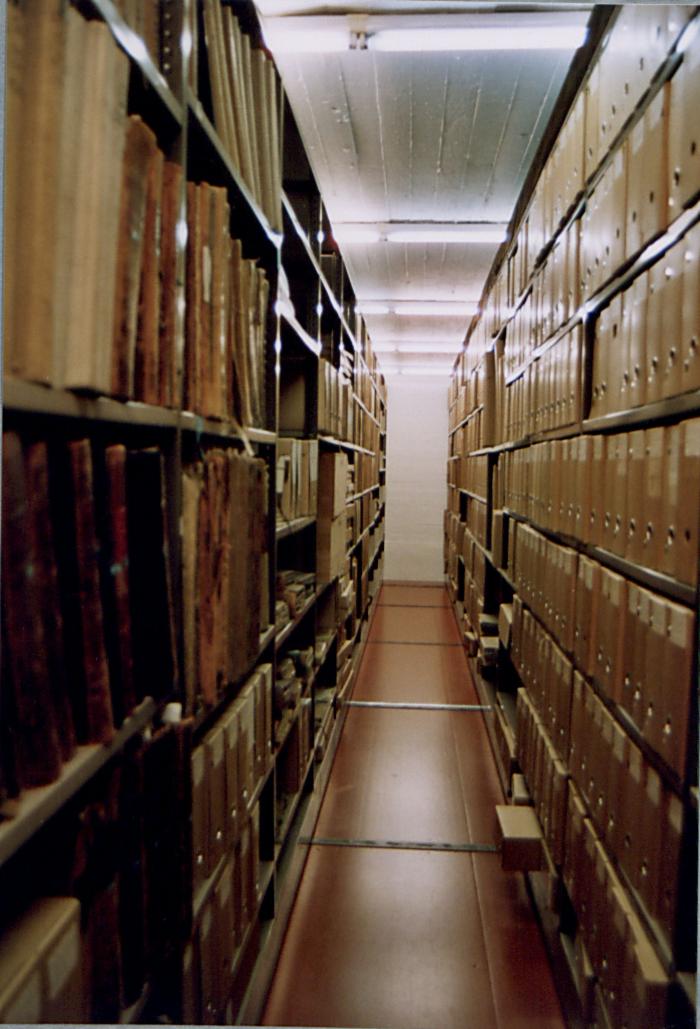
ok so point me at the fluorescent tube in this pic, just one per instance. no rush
(436, 308)
(356, 234)
(368, 307)
(540, 37)
(470, 234)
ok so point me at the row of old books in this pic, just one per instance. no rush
(115, 902)
(149, 20)
(226, 598)
(94, 222)
(87, 614)
(245, 101)
(227, 301)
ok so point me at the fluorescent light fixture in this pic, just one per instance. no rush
(282, 39)
(430, 348)
(282, 36)
(436, 308)
(462, 234)
(369, 307)
(405, 232)
(356, 234)
(688, 36)
(427, 370)
(506, 37)
(414, 369)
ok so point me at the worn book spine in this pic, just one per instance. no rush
(203, 390)
(115, 580)
(205, 588)
(168, 351)
(147, 358)
(98, 701)
(220, 215)
(253, 328)
(238, 531)
(36, 37)
(193, 328)
(152, 615)
(140, 146)
(241, 271)
(257, 476)
(240, 100)
(90, 295)
(262, 129)
(132, 874)
(25, 671)
(40, 529)
(192, 486)
(67, 199)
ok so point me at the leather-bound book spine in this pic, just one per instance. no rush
(42, 539)
(25, 669)
(152, 617)
(98, 699)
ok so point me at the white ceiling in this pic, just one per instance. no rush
(437, 137)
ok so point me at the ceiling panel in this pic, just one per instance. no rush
(430, 137)
(432, 271)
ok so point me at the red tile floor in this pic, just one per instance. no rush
(405, 938)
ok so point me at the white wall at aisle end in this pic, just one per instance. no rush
(416, 488)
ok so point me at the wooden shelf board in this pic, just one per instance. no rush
(331, 441)
(200, 117)
(367, 411)
(283, 529)
(34, 398)
(36, 806)
(284, 634)
(681, 592)
(133, 46)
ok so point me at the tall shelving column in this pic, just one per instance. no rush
(571, 537)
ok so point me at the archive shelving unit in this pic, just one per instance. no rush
(559, 375)
(310, 336)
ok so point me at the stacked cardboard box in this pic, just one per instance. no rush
(331, 528)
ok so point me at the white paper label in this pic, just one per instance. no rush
(63, 961)
(26, 1007)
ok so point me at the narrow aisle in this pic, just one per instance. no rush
(399, 937)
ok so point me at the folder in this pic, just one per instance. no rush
(674, 688)
(41, 965)
(600, 376)
(229, 729)
(617, 772)
(201, 862)
(598, 458)
(585, 620)
(655, 670)
(635, 500)
(670, 324)
(687, 535)
(216, 775)
(683, 141)
(672, 829)
(653, 503)
(610, 628)
(636, 347)
(582, 494)
(246, 743)
(631, 811)
(651, 839)
(690, 318)
(647, 210)
(208, 964)
(225, 926)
